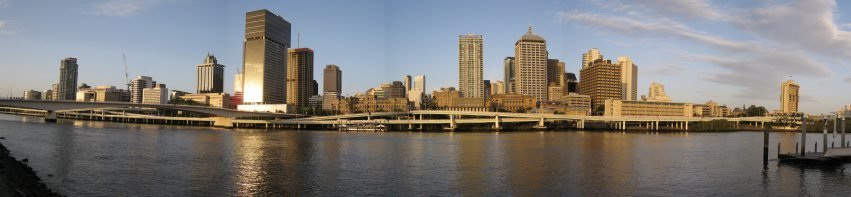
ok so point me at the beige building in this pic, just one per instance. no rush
(32, 95)
(267, 37)
(601, 80)
(103, 94)
(370, 104)
(657, 93)
(445, 96)
(530, 70)
(299, 77)
(621, 108)
(220, 100)
(555, 92)
(589, 57)
(789, 96)
(332, 79)
(210, 76)
(497, 87)
(629, 78)
(513, 102)
(711, 109)
(156, 95)
(47, 95)
(236, 98)
(138, 85)
(470, 66)
(571, 104)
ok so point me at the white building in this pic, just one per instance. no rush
(156, 95)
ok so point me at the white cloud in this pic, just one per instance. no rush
(688, 8)
(121, 8)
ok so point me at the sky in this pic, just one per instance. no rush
(731, 52)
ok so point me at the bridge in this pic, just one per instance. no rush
(449, 119)
(221, 116)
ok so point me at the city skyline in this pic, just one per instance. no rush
(719, 80)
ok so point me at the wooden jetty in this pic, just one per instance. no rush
(828, 156)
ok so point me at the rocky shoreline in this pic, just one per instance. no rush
(19, 179)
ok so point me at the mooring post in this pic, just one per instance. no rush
(803, 135)
(843, 131)
(765, 146)
(824, 130)
(778, 149)
(796, 147)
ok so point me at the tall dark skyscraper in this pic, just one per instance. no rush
(267, 37)
(332, 79)
(67, 89)
(210, 76)
(299, 76)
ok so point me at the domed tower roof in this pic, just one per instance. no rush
(210, 59)
(529, 36)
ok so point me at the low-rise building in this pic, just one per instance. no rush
(620, 108)
(156, 95)
(571, 104)
(369, 104)
(711, 109)
(513, 102)
(220, 100)
(315, 102)
(330, 101)
(270, 108)
(103, 94)
(32, 95)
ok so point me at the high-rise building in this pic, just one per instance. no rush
(67, 79)
(590, 56)
(55, 91)
(315, 88)
(299, 76)
(789, 96)
(487, 88)
(497, 87)
(333, 79)
(420, 82)
(555, 72)
(137, 87)
(396, 89)
(267, 37)
(407, 81)
(572, 83)
(530, 73)
(508, 64)
(156, 95)
(210, 76)
(415, 95)
(601, 80)
(657, 93)
(470, 66)
(629, 78)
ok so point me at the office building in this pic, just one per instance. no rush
(487, 88)
(102, 94)
(497, 87)
(621, 108)
(210, 76)
(789, 96)
(530, 70)
(601, 80)
(508, 64)
(555, 72)
(572, 83)
(657, 93)
(47, 95)
(299, 76)
(571, 104)
(329, 101)
(219, 100)
(589, 57)
(32, 95)
(470, 66)
(513, 102)
(711, 109)
(407, 81)
(267, 37)
(420, 83)
(137, 87)
(332, 79)
(67, 79)
(629, 78)
(236, 98)
(55, 91)
(156, 95)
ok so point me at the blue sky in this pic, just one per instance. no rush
(731, 52)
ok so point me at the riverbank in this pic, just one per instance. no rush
(18, 179)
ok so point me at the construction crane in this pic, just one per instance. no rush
(126, 75)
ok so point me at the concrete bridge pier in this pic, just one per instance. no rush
(50, 116)
(541, 124)
(496, 123)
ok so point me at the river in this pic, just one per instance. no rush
(86, 158)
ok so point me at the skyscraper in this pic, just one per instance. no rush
(629, 78)
(555, 71)
(267, 37)
(601, 80)
(299, 76)
(530, 70)
(420, 83)
(407, 81)
(590, 56)
(470, 66)
(508, 63)
(137, 87)
(67, 79)
(210, 76)
(487, 89)
(332, 79)
(789, 96)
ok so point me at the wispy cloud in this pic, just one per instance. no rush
(4, 27)
(755, 65)
(848, 79)
(4, 3)
(121, 8)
